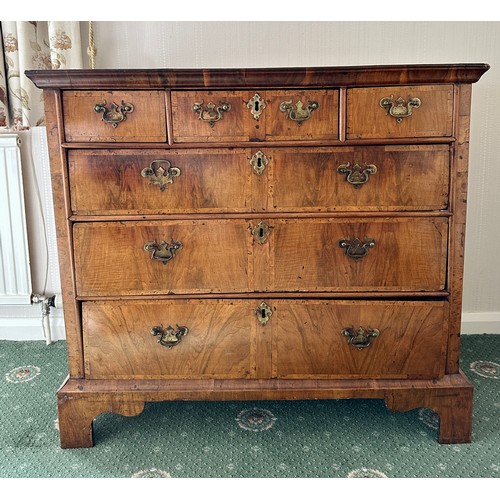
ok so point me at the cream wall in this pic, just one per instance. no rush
(265, 44)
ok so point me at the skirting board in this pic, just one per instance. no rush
(13, 328)
(481, 322)
(31, 328)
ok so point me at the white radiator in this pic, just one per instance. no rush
(15, 274)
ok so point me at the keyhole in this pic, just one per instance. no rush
(256, 106)
(261, 232)
(263, 313)
(259, 162)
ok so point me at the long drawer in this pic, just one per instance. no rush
(228, 339)
(244, 255)
(374, 178)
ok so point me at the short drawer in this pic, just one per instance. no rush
(232, 116)
(356, 339)
(161, 257)
(375, 178)
(114, 116)
(160, 181)
(394, 112)
(169, 339)
(359, 254)
(301, 115)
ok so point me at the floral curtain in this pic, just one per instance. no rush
(32, 45)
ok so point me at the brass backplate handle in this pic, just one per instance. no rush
(360, 338)
(160, 172)
(211, 113)
(114, 114)
(355, 248)
(263, 313)
(261, 232)
(400, 108)
(298, 112)
(169, 337)
(163, 252)
(355, 174)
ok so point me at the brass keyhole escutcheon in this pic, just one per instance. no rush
(256, 105)
(263, 313)
(260, 232)
(259, 162)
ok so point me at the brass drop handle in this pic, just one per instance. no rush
(114, 114)
(400, 108)
(297, 112)
(163, 252)
(160, 172)
(355, 248)
(355, 174)
(211, 113)
(360, 338)
(169, 337)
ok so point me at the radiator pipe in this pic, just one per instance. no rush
(45, 303)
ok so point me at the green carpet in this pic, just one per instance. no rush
(264, 439)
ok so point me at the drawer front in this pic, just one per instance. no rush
(302, 115)
(360, 178)
(114, 116)
(375, 254)
(224, 116)
(160, 182)
(302, 339)
(359, 339)
(207, 116)
(150, 258)
(148, 339)
(408, 111)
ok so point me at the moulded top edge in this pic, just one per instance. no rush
(328, 76)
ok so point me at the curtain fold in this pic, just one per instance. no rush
(33, 45)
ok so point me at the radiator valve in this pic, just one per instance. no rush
(46, 303)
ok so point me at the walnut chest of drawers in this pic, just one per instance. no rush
(261, 234)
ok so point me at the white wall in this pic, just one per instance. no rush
(267, 44)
